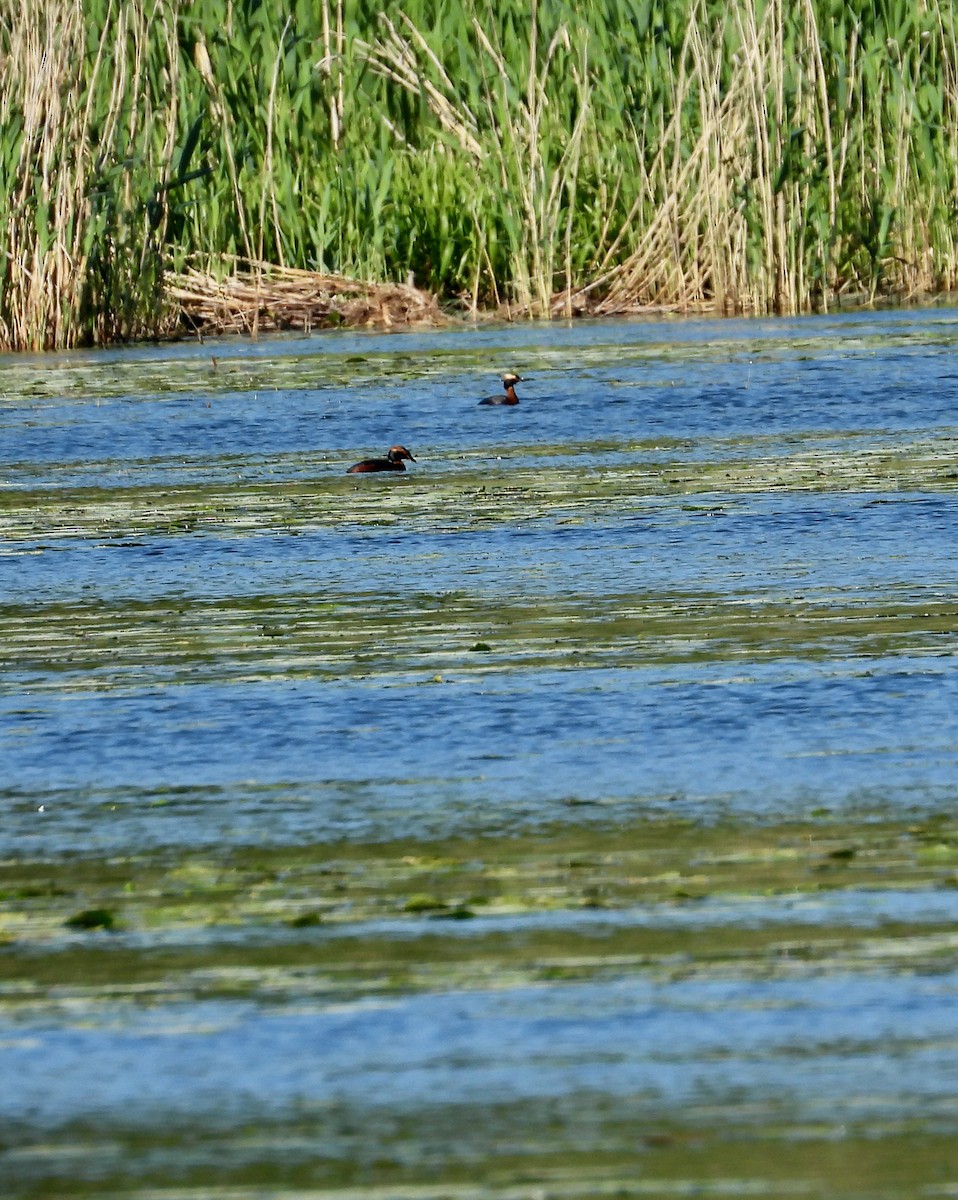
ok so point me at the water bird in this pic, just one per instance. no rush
(392, 462)
(509, 381)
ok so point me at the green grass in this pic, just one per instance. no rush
(751, 157)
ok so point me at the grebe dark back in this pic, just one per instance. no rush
(392, 462)
(509, 380)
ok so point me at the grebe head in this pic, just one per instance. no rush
(510, 379)
(398, 453)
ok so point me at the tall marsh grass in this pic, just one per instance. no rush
(546, 158)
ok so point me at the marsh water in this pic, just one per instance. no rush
(570, 815)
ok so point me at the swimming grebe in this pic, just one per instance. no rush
(509, 381)
(392, 462)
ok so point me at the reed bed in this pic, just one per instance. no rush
(531, 159)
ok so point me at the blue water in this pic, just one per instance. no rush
(594, 381)
(295, 748)
(380, 760)
(663, 1044)
(411, 735)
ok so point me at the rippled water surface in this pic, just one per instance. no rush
(650, 683)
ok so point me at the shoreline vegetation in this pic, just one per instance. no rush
(169, 168)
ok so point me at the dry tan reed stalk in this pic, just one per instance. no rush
(394, 58)
(570, 172)
(221, 113)
(267, 184)
(334, 43)
(813, 40)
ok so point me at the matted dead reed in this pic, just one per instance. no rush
(256, 298)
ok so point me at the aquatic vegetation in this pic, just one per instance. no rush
(91, 918)
(658, 886)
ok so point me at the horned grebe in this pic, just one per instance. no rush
(392, 462)
(509, 380)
